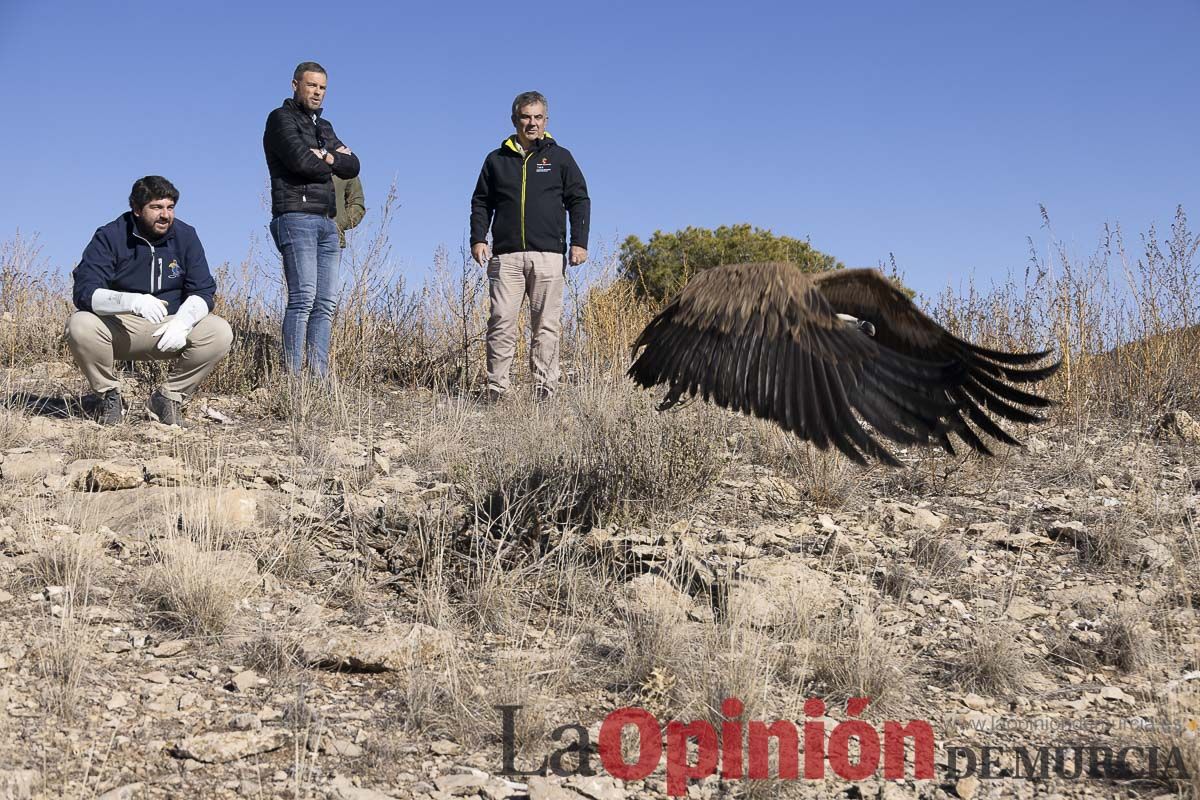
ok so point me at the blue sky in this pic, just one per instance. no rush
(931, 130)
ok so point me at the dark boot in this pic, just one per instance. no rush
(165, 410)
(111, 408)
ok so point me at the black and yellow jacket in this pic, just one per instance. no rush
(525, 199)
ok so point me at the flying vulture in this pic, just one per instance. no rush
(808, 350)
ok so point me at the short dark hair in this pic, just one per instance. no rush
(150, 188)
(528, 99)
(307, 66)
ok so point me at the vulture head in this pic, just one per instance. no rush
(809, 351)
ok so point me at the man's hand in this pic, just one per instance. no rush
(173, 335)
(345, 150)
(148, 307)
(578, 255)
(479, 251)
(327, 157)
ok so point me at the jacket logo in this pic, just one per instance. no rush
(544, 165)
(173, 270)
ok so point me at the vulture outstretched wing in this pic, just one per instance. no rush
(765, 339)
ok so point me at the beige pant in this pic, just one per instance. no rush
(511, 277)
(98, 342)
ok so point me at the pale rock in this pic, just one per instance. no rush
(167, 471)
(967, 787)
(223, 747)
(1001, 533)
(159, 508)
(106, 476)
(445, 747)
(351, 651)
(342, 788)
(549, 789)
(460, 785)
(1178, 425)
(905, 517)
(246, 722)
(127, 792)
(341, 747)
(1154, 552)
(1072, 530)
(772, 591)
(1115, 693)
(243, 681)
(19, 784)
(30, 467)
(233, 508)
(652, 596)
(975, 702)
(171, 647)
(597, 787)
(1021, 609)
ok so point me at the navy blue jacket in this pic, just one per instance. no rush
(121, 258)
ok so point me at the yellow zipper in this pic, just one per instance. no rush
(523, 169)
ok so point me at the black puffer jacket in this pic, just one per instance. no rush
(526, 198)
(300, 181)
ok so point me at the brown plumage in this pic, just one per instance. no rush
(765, 339)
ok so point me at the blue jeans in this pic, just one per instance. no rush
(310, 249)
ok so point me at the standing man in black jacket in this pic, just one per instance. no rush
(526, 190)
(303, 155)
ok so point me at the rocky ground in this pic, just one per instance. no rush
(331, 604)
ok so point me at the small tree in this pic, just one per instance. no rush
(659, 268)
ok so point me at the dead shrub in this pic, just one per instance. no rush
(63, 657)
(68, 560)
(272, 653)
(1128, 641)
(854, 657)
(991, 661)
(195, 591)
(937, 555)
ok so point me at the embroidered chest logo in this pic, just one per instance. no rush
(543, 165)
(173, 270)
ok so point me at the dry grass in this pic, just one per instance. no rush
(68, 560)
(1128, 640)
(937, 555)
(63, 657)
(855, 657)
(195, 591)
(273, 653)
(991, 662)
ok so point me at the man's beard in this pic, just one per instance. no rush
(149, 231)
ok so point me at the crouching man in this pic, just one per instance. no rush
(144, 291)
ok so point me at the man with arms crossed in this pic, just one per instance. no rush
(303, 154)
(144, 291)
(526, 190)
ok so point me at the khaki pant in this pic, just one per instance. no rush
(512, 277)
(98, 342)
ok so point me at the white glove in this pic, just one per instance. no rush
(147, 306)
(173, 335)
